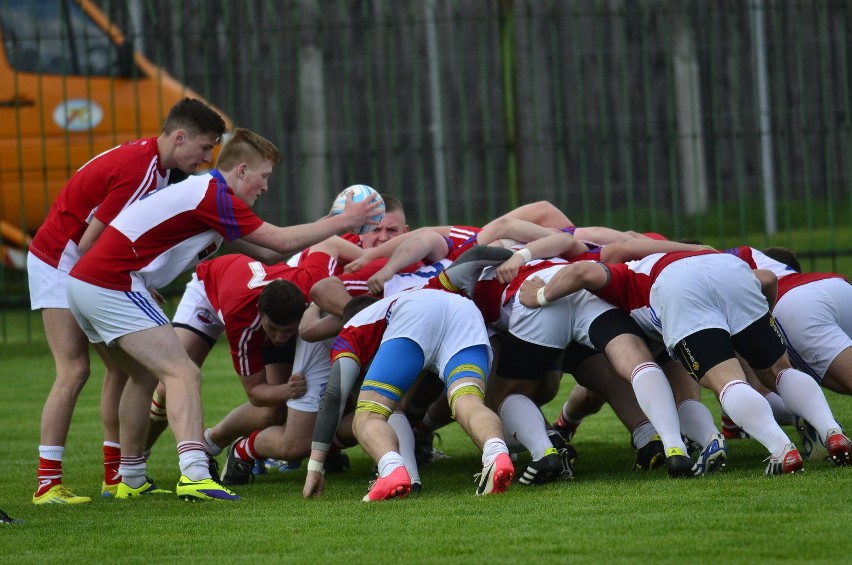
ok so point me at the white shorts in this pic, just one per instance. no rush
(313, 361)
(706, 291)
(106, 315)
(563, 321)
(442, 325)
(47, 284)
(195, 311)
(816, 319)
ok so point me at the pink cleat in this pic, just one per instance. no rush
(395, 485)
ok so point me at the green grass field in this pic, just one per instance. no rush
(608, 514)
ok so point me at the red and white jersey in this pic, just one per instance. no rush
(233, 284)
(441, 323)
(356, 283)
(788, 278)
(491, 296)
(165, 233)
(630, 283)
(460, 239)
(101, 188)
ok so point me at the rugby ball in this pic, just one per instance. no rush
(360, 192)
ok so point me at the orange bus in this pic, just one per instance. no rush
(71, 87)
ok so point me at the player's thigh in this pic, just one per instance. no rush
(838, 377)
(159, 352)
(66, 340)
(394, 369)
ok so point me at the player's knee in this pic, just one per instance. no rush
(463, 389)
(371, 409)
(73, 373)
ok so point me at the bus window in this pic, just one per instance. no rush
(57, 37)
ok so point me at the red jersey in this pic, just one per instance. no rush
(233, 284)
(788, 278)
(165, 233)
(101, 188)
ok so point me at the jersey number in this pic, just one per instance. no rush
(258, 275)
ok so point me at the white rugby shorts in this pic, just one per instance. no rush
(313, 361)
(195, 311)
(442, 324)
(106, 315)
(47, 284)
(703, 292)
(816, 319)
(558, 324)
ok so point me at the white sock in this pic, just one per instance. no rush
(752, 413)
(389, 463)
(133, 471)
(51, 452)
(405, 436)
(643, 434)
(193, 460)
(803, 396)
(655, 397)
(522, 421)
(696, 421)
(782, 414)
(491, 449)
(209, 444)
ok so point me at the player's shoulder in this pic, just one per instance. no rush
(127, 158)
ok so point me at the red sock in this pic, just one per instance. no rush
(245, 448)
(112, 459)
(49, 474)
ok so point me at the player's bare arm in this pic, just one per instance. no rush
(768, 285)
(91, 235)
(330, 295)
(590, 275)
(633, 249)
(514, 229)
(263, 394)
(289, 239)
(316, 327)
(557, 244)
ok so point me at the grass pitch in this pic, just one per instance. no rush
(609, 514)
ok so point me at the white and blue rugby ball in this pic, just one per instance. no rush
(360, 192)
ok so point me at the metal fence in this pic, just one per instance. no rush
(717, 119)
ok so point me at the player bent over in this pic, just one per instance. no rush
(147, 246)
(399, 336)
(709, 306)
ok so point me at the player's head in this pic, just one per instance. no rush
(392, 224)
(191, 131)
(246, 160)
(784, 255)
(356, 305)
(281, 305)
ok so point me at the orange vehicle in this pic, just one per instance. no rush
(71, 87)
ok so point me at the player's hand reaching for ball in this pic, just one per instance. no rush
(361, 213)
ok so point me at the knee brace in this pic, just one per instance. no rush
(374, 407)
(461, 389)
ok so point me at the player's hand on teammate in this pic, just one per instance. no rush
(297, 385)
(355, 265)
(376, 283)
(361, 213)
(528, 290)
(509, 269)
(157, 296)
